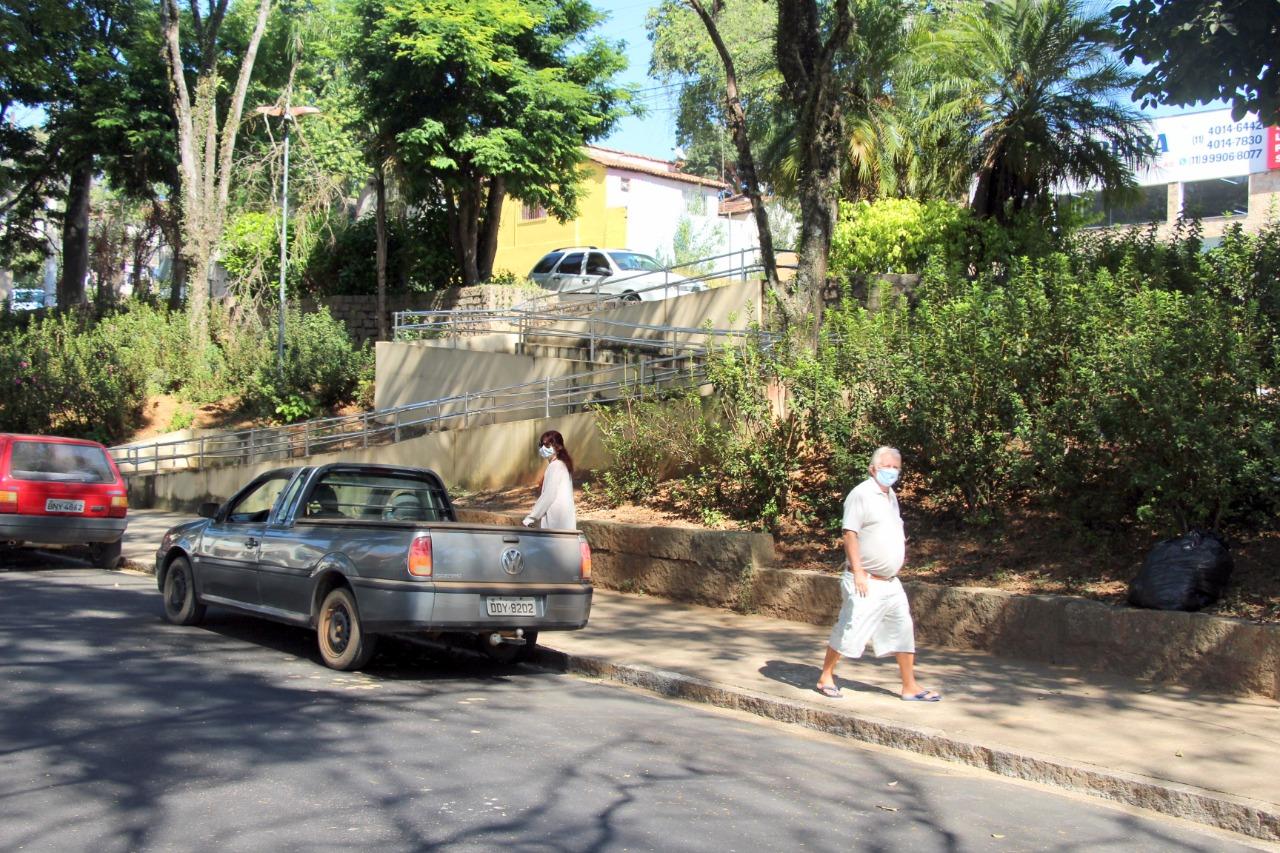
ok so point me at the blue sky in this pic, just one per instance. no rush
(654, 134)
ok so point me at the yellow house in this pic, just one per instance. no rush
(629, 201)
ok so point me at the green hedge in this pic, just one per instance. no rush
(1128, 381)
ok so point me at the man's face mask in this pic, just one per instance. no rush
(886, 476)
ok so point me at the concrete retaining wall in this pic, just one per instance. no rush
(735, 570)
(412, 371)
(478, 458)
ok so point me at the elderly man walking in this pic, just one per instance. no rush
(875, 606)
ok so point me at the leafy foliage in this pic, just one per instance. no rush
(321, 369)
(1200, 51)
(1031, 89)
(1124, 383)
(476, 99)
(418, 256)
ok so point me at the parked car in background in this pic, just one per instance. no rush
(354, 551)
(583, 271)
(62, 491)
(29, 299)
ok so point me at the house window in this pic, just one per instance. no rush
(532, 211)
(695, 203)
(1219, 197)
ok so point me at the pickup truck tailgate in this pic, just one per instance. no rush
(493, 554)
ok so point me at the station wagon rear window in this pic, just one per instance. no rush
(49, 461)
(360, 496)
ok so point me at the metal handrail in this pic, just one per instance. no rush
(591, 333)
(325, 433)
(303, 439)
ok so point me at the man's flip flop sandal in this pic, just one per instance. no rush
(829, 690)
(924, 696)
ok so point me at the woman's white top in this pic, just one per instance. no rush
(555, 506)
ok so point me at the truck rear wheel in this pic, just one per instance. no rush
(343, 642)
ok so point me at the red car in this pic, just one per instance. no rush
(61, 491)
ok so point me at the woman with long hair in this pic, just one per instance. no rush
(555, 507)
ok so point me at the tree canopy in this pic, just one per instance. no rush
(1035, 89)
(1204, 50)
(481, 99)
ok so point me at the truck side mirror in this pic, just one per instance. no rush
(208, 509)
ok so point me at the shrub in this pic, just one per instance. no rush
(67, 376)
(322, 367)
(418, 257)
(1090, 388)
(904, 235)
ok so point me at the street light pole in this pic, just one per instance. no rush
(284, 246)
(289, 115)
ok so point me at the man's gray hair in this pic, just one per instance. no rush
(880, 451)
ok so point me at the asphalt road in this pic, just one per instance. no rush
(119, 732)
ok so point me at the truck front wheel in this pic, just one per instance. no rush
(342, 639)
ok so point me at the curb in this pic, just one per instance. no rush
(1220, 811)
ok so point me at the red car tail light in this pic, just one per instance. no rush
(9, 500)
(420, 556)
(585, 550)
(119, 506)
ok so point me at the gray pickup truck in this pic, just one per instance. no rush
(355, 551)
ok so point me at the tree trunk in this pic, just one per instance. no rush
(488, 237)
(819, 205)
(75, 237)
(178, 280)
(205, 151)
(746, 162)
(464, 215)
(380, 228)
(807, 62)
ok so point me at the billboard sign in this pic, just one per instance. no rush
(1202, 146)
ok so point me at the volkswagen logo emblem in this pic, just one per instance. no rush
(512, 561)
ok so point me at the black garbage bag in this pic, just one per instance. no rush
(1187, 572)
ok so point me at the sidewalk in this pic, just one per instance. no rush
(1198, 756)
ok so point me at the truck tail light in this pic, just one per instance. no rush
(8, 500)
(119, 506)
(420, 556)
(585, 550)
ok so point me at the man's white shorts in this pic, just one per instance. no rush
(881, 617)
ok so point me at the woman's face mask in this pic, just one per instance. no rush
(886, 476)
(546, 452)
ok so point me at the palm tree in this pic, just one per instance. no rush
(1031, 90)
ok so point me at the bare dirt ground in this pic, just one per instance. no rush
(165, 413)
(1028, 552)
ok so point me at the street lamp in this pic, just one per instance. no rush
(290, 115)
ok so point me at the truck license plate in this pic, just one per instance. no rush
(511, 607)
(59, 505)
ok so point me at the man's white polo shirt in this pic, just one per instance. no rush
(873, 515)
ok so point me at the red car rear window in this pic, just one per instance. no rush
(63, 463)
